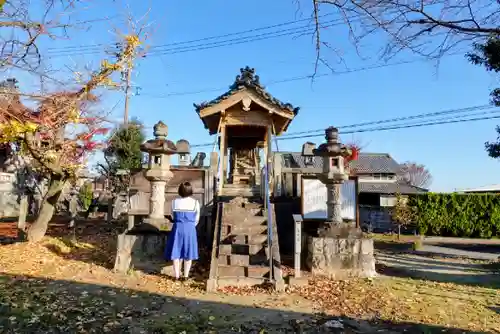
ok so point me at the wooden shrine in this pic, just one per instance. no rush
(245, 118)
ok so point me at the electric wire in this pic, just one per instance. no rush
(404, 118)
(424, 123)
(202, 39)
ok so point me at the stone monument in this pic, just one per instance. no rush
(339, 250)
(119, 206)
(158, 172)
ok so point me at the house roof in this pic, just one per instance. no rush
(389, 188)
(483, 189)
(367, 163)
(248, 80)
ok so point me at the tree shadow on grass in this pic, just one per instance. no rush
(489, 280)
(92, 241)
(470, 247)
(398, 259)
(95, 242)
(392, 246)
(39, 305)
(9, 233)
(495, 308)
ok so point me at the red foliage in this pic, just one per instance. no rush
(355, 153)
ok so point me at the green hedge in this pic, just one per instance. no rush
(458, 215)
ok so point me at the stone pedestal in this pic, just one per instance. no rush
(157, 199)
(340, 258)
(144, 252)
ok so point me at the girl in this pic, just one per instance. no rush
(182, 243)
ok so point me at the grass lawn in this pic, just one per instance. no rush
(63, 286)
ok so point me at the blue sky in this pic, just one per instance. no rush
(453, 153)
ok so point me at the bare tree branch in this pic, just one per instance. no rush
(429, 28)
(415, 174)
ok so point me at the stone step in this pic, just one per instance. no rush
(247, 221)
(242, 249)
(239, 282)
(239, 186)
(250, 230)
(240, 214)
(239, 193)
(243, 271)
(242, 260)
(244, 239)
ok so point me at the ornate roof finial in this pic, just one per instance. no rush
(160, 130)
(332, 134)
(332, 147)
(246, 78)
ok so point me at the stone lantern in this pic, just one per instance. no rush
(334, 174)
(340, 250)
(158, 171)
(184, 151)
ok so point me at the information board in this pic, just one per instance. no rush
(314, 199)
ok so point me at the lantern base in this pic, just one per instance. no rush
(155, 224)
(341, 258)
(339, 230)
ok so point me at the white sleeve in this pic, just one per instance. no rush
(197, 209)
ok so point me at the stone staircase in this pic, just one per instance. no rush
(240, 254)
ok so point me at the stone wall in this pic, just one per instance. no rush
(9, 204)
(340, 258)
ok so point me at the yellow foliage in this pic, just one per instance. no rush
(74, 115)
(50, 155)
(11, 131)
(110, 66)
(109, 83)
(30, 127)
(73, 166)
(132, 41)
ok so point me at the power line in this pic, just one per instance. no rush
(404, 118)
(159, 49)
(238, 33)
(94, 48)
(385, 128)
(422, 124)
(338, 21)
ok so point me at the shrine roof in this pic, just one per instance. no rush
(247, 80)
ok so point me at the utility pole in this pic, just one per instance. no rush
(128, 72)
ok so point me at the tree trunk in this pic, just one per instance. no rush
(21, 222)
(111, 202)
(399, 231)
(39, 227)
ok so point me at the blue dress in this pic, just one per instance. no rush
(182, 242)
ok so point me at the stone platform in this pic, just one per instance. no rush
(341, 258)
(142, 250)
